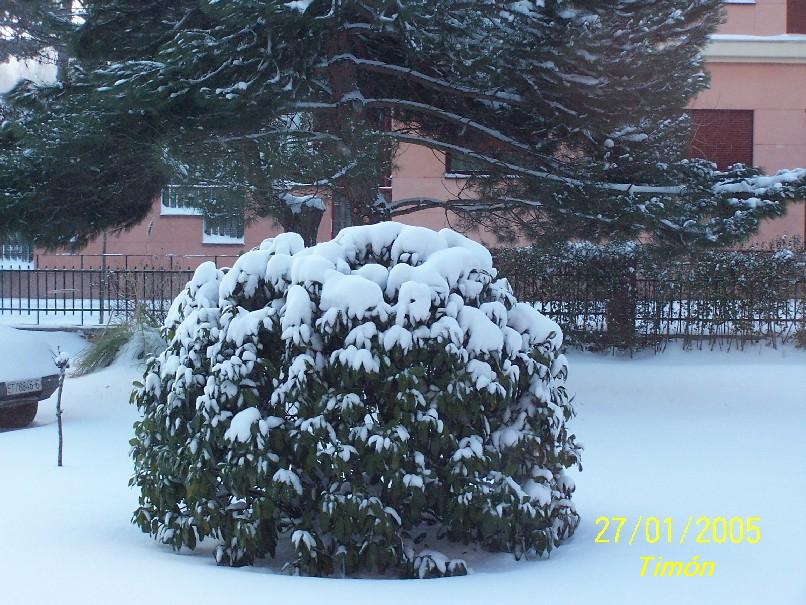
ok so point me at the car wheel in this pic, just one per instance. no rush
(18, 416)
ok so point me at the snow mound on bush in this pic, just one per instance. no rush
(424, 264)
(384, 380)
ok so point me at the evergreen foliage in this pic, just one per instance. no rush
(572, 111)
(624, 295)
(360, 399)
(33, 29)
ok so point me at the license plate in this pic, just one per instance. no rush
(20, 387)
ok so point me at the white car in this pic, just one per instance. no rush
(27, 376)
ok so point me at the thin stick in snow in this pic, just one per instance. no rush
(62, 362)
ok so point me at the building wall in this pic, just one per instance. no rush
(759, 18)
(420, 174)
(777, 96)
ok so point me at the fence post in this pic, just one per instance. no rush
(38, 297)
(81, 268)
(102, 290)
(621, 305)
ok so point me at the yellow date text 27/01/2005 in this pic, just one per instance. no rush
(699, 530)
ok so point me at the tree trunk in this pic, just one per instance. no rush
(268, 202)
(620, 311)
(359, 188)
(362, 197)
(305, 222)
(62, 58)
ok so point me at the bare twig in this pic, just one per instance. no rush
(62, 362)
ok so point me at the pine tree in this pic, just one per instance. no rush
(572, 111)
(34, 29)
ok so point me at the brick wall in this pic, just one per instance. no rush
(724, 136)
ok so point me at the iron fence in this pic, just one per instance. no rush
(94, 289)
(86, 296)
(648, 311)
(626, 305)
(632, 302)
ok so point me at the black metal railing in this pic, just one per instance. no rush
(113, 261)
(626, 305)
(87, 296)
(95, 289)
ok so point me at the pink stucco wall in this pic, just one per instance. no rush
(759, 18)
(420, 173)
(776, 92)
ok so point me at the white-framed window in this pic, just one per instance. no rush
(16, 253)
(183, 200)
(223, 228)
(222, 210)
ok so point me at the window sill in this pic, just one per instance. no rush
(168, 211)
(221, 240)
(784, 48)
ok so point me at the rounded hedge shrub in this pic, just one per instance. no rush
(360, 400)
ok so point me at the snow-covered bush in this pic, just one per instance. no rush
(360, 398)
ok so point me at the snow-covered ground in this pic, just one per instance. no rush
(674, 435)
